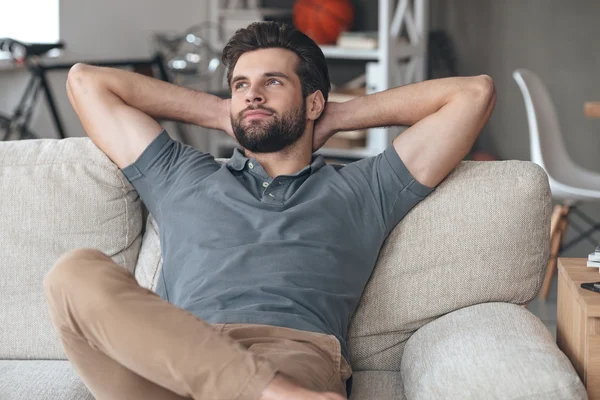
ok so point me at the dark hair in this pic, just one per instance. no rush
(312, 67)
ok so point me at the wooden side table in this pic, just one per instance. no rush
(578, 326)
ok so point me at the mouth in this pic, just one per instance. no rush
(256, 114)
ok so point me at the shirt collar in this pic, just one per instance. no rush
(239, 161)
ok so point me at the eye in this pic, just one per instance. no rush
(276, 81)
(238, 85)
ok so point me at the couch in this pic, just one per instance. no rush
(442, 317)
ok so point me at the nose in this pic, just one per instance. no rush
(254, 96)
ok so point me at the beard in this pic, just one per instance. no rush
(272, 135)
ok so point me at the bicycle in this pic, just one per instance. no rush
(16, 126)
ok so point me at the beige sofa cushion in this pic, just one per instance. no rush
(377, 385)
(488, 351)
(41, 380)
(149, 261)
(481, 236)
(55, 195)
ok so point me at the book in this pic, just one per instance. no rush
(594, 264)
(594, 258)
(358, 40)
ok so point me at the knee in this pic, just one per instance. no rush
(69, 270)
(73, 286)
(78, 255)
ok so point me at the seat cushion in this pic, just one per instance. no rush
(377, 385)
(488, 351)
(51, 380)
(41, 380)
(55, 195)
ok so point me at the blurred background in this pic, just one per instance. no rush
(370, 45)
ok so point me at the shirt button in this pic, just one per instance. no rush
(265, 184)
(250, 165)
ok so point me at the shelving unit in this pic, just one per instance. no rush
(400, 59)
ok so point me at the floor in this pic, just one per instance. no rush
(546, 311)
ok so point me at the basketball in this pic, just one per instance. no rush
(323, 20)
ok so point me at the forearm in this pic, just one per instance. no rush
(407, 105)
(156, 98)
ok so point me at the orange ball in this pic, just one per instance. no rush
(323, 20)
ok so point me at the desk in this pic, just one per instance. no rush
(592, 109)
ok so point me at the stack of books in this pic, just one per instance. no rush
(594, 258)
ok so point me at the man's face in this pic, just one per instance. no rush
(268, 112)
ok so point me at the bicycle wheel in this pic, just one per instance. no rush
(8, 132)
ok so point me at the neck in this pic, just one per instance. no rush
(287, 161)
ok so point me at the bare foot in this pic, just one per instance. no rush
(281, 388)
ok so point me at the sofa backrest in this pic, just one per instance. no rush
(482, 236)
(55, 195)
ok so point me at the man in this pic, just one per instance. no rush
(265, 258)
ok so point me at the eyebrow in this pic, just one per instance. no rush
(266, 74)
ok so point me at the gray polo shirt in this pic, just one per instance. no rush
(294, 251)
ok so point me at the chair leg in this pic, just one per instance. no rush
(555, 219)
(558, 227)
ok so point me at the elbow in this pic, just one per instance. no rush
(78, 77)
(482, 86)
(74, 81)
(482, 91)
(76, 73)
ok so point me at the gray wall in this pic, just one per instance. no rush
(558, 40)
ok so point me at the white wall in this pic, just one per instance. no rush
(103, 29)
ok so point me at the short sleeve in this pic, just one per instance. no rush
(384, 182)
(165, 165)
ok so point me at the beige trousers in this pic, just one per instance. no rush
(125, 342)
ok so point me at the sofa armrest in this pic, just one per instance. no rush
(490, 350)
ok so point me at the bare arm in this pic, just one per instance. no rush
(117, 109)
(445, 115)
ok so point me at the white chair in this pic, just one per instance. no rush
(570, 183)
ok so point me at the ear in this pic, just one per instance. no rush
(315, 104)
